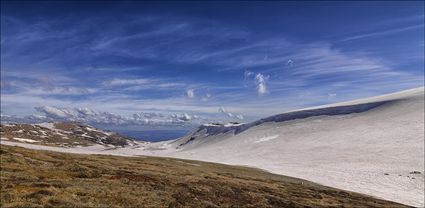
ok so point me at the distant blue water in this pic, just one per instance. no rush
(153, 135)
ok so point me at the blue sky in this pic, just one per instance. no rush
(214, 61)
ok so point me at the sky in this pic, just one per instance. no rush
(184, 63)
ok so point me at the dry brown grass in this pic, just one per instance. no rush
(31, 178)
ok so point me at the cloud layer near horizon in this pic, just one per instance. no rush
(89, 116)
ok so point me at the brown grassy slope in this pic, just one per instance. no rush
(32, 178)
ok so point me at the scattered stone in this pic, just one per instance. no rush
(386, 174)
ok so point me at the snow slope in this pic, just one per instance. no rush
(371, 146)
(368, 146)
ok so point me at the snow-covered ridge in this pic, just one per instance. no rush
(213, 129)
(344, 108)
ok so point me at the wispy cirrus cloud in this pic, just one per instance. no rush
(381, 33)
(124, 82)
(154, 63)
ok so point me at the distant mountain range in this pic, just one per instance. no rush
(63, 134)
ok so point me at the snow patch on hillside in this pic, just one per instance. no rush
(50, 126)
(265, 139)
(24, 140)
